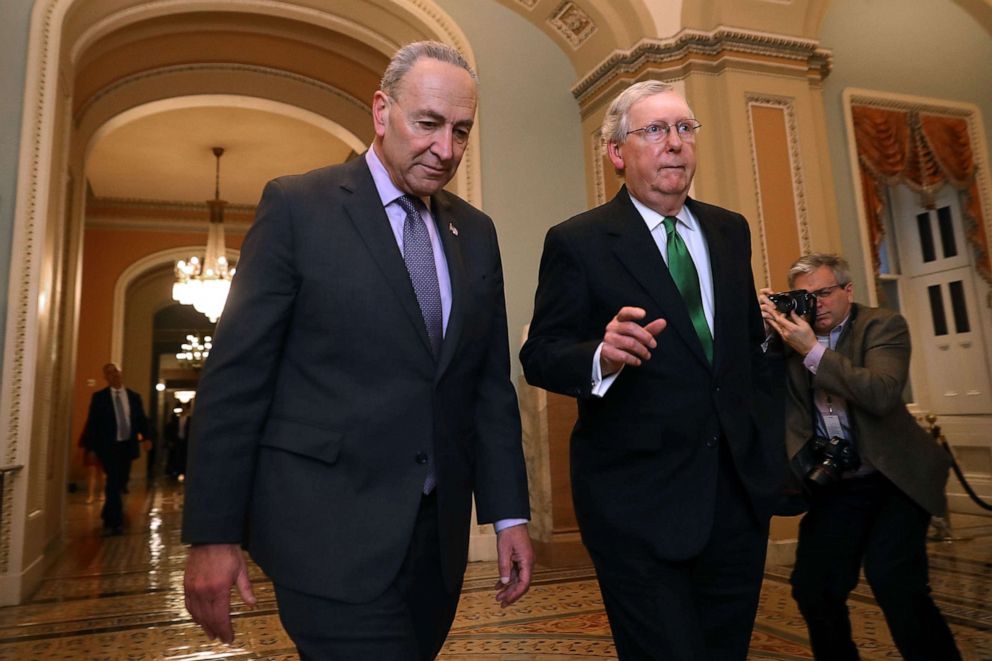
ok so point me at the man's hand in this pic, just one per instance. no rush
(626, 342)
(793, 329)
(516, 562)
(211, 570)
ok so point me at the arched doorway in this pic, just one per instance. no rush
(97, 68)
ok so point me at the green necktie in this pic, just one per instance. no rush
(687, 280)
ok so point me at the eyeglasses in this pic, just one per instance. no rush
(826, 291)
(658, 131)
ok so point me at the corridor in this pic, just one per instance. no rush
(121, 598)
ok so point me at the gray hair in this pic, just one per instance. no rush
(617, 120)
(409, 55)
(807, 264)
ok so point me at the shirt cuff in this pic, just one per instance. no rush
(601, 384)
(812, 359)
(766, 343)
(503, 524)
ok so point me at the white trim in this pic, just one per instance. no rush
(976, 132)
(787, 106)
(227, 101)
(38, 156)
(156, 8)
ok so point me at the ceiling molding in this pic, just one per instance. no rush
(716, 50)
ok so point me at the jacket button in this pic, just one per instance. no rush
(712, 443)
(421, 458)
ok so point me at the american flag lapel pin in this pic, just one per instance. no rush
(452, 228)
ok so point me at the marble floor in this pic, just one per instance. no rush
(121, 598)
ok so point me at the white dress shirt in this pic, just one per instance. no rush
(692, 234)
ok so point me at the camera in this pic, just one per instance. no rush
(800, 300)
(834, 455)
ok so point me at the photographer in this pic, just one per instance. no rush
(873, 475)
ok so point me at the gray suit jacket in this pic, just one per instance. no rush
(321, 397)
(869, 369)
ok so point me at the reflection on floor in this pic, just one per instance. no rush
(121, 598)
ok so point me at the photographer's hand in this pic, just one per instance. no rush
(794, 330)
(767, 308)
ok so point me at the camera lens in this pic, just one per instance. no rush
(823, 475)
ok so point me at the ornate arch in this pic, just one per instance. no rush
(135, 271)
(61, 32)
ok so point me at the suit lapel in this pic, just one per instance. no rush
(637, 251)
(446, 228)
(367, 214)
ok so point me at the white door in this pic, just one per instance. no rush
(942, 304)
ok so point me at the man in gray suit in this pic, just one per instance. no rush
(358, 393)
(846, 375)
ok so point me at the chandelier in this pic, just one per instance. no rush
(204, 284)
(194, 351)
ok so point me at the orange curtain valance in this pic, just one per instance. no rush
(924, 152)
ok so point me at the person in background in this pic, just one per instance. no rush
(115, 425)
(875, 477)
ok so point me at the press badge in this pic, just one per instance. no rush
(832, 422)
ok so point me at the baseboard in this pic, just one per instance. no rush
(15, 588)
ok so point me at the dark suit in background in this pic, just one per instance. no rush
(116, 451)
(672, 477)
(322, 408)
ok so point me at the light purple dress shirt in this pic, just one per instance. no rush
(388, 194)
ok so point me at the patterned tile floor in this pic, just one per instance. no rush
(121, 598)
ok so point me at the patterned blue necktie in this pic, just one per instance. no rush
(419, 258)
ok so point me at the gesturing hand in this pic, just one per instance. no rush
(627, 342)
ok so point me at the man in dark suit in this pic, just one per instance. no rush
(358, 392)
(846, 376)
(115, 424)
(646, 312)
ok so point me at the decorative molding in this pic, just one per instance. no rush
(163, 224)
(166, 206)
(976, 133)
(30, 212)
(599, 175)
(529, 4)
(709, 49)
(46, 43)
(787, 105)
(899, 102)
(212, 67)
(161, 216)
(573, 24)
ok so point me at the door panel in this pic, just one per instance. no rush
(942, 306)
